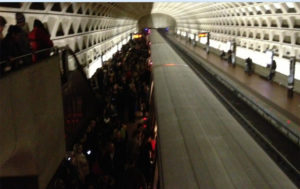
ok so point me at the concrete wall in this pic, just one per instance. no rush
(156, 20)
(32, 122)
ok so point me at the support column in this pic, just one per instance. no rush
(233, 57)
(207, 43)
(291, 77)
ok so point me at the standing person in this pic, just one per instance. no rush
(272, 70)
(229, 58)
(248, 67)
(39, 39)
(21, 22)
(133, 177)
(2, 25)
(12, 49)
(23, 42)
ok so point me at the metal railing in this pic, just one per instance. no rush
(29, 54)
(19, 62)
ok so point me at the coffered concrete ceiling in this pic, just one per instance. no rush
(98, 26)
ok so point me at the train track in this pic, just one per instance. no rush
(281, 149)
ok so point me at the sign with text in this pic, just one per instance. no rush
(202, 34)
(269, 57)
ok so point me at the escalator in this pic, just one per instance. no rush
(44, 108)
(79, 100)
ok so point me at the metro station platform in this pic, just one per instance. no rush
(270, 96)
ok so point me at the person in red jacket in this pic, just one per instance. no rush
(39, 39)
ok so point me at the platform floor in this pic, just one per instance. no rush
(271, 93)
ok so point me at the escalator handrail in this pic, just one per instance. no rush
(63, 50)
(53, 50)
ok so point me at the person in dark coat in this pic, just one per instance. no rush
(12, 49)
(229, 58)
(23, 41)
(109, 159)
(248, 68)
(272, 70)
(21, 22)
(39, 39)
(133, 178)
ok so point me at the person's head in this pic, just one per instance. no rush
(139, 126)
(93, 123)
(117, 135)
(124, 126)
(77, 148)
(14, 32)
(89, 129)
(20, 19)
(38, 24)
(2, 23)
(124, 78)
(83, 139)
(111, 147)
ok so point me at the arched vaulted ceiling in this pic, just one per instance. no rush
(92, 28)
(258, 26)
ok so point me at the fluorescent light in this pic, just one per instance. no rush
(267, 7)
(258, 8)
(290, 4)
(277, 5)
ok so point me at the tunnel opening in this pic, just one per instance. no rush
(157, 20)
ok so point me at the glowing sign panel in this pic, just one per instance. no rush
(170, 64)
(136, 36)
(202, 35)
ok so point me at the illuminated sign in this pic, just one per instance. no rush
(136, 36)
(169, 64)
(269, 57)
(228, 46)
(202, 35)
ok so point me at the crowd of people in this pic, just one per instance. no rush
(19, 41)
(118, 148)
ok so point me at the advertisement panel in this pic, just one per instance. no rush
(269, 57)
